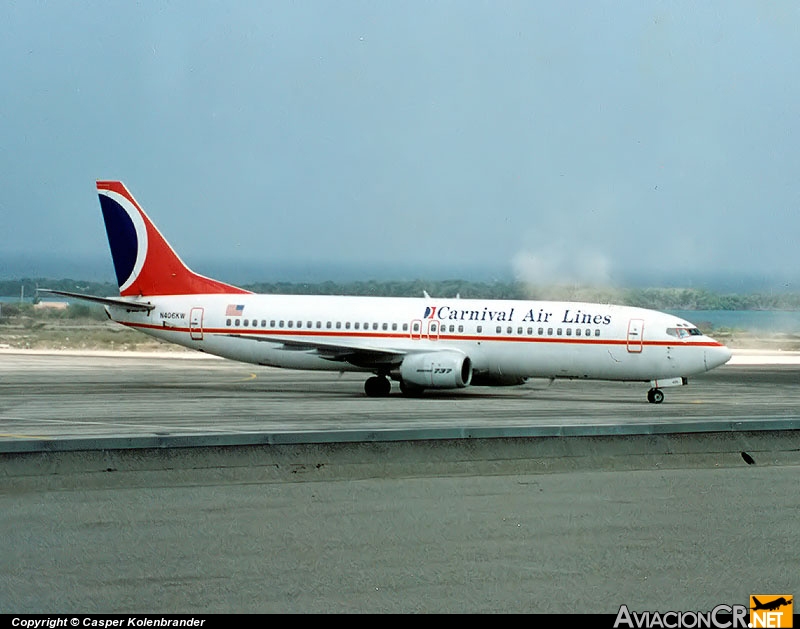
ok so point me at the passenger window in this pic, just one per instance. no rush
(358, 325)
(405, 327)
(328, 325)
(530, 331)
(461, 328)
(263, 323)
(246, 322)
(480, 329)
(519, 330)
(385, 326)
(280, 325)
(237, 323)
(578, 332)
(597, 332)
(569, 331)
(416, 327)
(499, 329)
(347, 325)
(374, 326)
(272, 323)
(558, 331)
(549, 331)
(394, 326)
(541, 331)
(291, 324)
(228, 322)
(338, 325)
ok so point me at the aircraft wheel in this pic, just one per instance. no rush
(376, 386)
(655, 396)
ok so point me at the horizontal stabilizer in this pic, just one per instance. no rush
(107, 301)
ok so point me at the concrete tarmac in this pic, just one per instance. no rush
(62, 396)
(679, 506)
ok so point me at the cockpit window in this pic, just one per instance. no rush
(683, 333)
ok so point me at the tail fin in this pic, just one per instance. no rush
(144, 262)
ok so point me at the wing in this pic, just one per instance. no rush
(359, 356)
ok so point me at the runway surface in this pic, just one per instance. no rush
(56, 396)
(641, 505)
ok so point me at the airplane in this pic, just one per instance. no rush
(421, 343)
(778, 602)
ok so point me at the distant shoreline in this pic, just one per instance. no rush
(57, 333)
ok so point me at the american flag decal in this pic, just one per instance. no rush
(234, 310)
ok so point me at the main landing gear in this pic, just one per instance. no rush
(377, 386)
(381, 386)
(655, 396)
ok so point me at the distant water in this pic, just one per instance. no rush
(776, 321)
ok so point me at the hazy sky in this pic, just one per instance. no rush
(585, 141)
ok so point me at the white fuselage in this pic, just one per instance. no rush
(503, 339)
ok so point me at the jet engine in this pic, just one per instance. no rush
(437, 370)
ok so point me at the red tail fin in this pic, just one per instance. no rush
(144, 262)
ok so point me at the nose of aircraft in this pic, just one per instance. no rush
(716, 356)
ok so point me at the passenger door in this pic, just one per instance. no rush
(196, 324)
(635, 333)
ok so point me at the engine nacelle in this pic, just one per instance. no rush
(437, 370)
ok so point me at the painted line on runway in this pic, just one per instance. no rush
(12, 435)
(166, 429)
